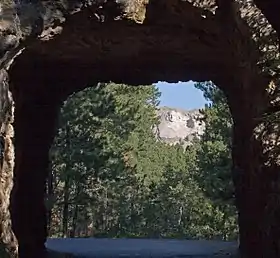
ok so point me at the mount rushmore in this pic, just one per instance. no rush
(178, 126)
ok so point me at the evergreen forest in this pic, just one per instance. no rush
(111, 177)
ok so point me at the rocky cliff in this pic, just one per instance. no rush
(178, 126)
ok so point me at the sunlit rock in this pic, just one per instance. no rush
(178, 126)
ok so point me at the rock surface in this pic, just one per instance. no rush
(142, 248)
(178, 126)
(177, 41)
(7, 239)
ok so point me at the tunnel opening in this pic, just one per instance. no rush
(124, 165)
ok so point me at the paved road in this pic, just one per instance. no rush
(141, 248)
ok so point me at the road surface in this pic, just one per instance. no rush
(141, 248)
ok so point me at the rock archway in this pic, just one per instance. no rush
(177, 41)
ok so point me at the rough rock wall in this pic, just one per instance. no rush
(7, 238)
(191, 39)
(9, 40)
(179, 126)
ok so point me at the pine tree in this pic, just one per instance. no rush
(214, 156)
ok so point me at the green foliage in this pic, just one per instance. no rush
(215, 144)
(112, 177)
(214, 156)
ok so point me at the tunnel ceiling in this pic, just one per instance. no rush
(167, 46)
(135, 43)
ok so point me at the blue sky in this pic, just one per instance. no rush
(181, 95)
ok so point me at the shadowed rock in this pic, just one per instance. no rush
(53, 48)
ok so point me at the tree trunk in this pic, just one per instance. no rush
(76, 211)
(35, 123)
(7, 238)
(74, 221)
(50, 196)
(66, 190)
(65, 212)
